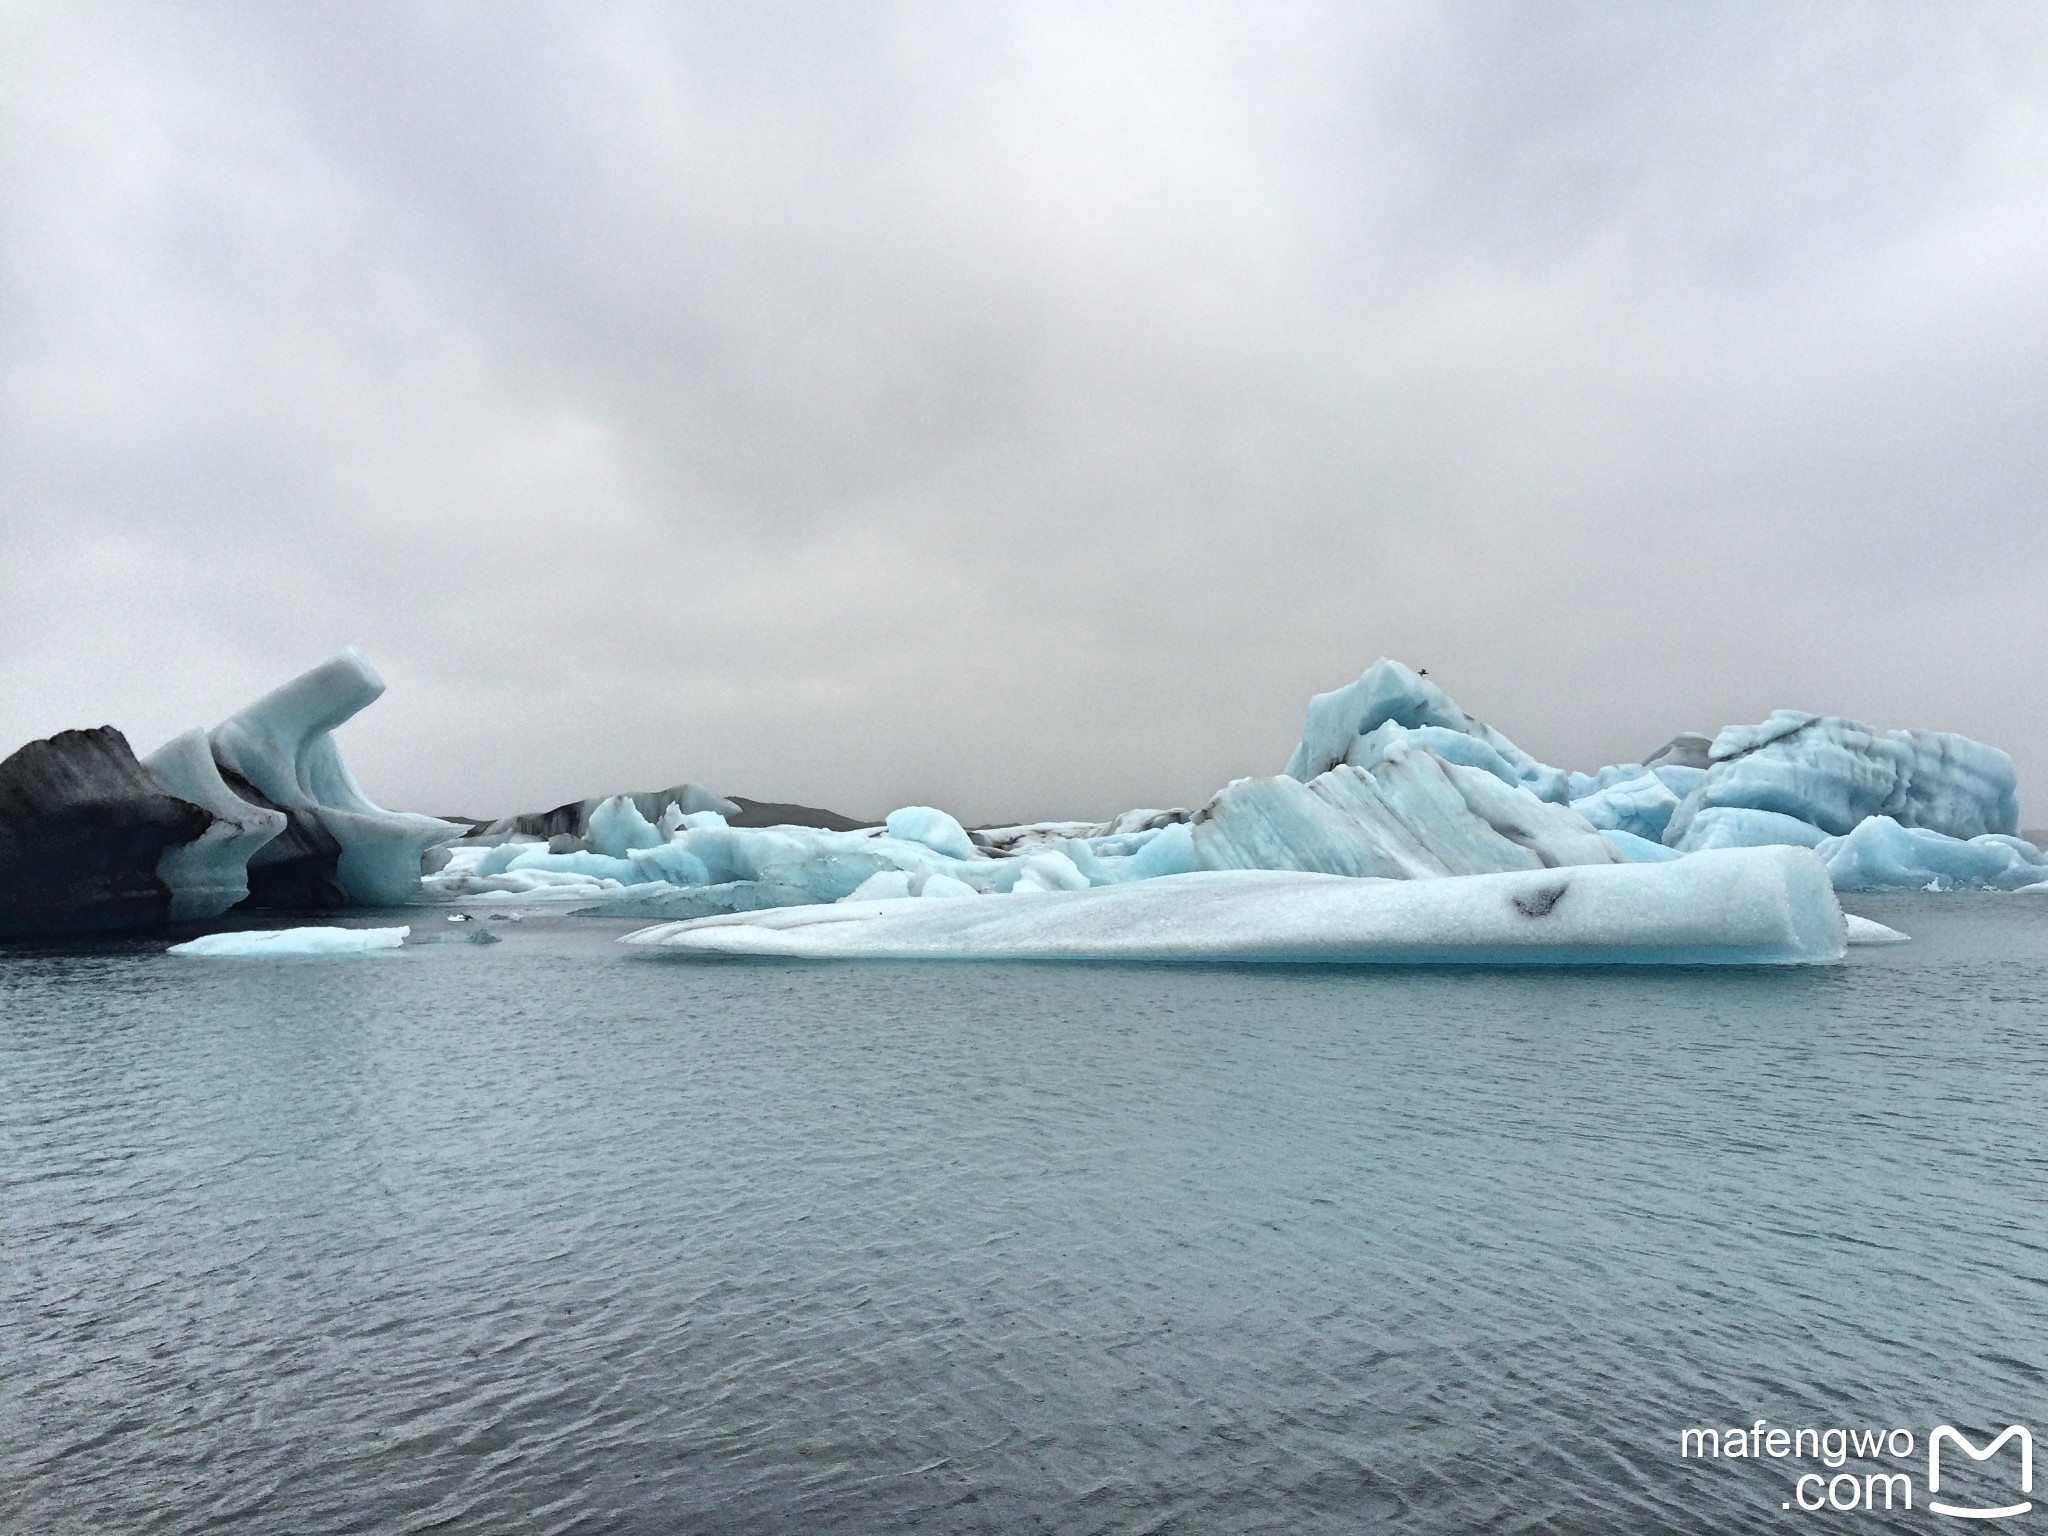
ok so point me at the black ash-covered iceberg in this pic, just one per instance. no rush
(261, 810)
(85, 836)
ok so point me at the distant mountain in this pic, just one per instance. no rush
(775, 813)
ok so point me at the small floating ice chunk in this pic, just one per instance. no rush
(265, 944)
(1863, 930)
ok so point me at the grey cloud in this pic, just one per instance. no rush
(1024, 407)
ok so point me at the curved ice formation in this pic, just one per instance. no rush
(618, 827)
(1862, 930)
(337, 845)
(1771, 906)
(281, 943)
(1688, 749)
(210, 874)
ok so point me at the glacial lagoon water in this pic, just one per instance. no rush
(553, 1236)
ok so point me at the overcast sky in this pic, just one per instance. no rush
(1020, 408)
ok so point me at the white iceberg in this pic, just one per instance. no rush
(279, 943)
(704, 866)
(1768, 906)
(260, 810)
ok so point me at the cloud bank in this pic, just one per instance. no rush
(1022, 408)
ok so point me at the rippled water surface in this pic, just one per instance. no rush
(553, 1236)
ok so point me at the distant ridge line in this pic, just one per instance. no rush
(776, 813)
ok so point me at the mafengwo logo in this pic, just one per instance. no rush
(1955, 1437)
(1962, 1482)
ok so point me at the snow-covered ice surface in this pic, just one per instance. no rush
(280, 943)
(1746, 907)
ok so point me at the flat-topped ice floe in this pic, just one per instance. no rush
(277, 943)
(1749, 906)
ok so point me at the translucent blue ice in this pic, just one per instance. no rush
(933, 828)
(1391, 780)
(1641, 803)
(1412, 817)
(1639, 850)
(1735, 826)
(283, 745)
(1833, 773)
(1881, 853)
(617, 828)
(210, 874)
(1390, 693)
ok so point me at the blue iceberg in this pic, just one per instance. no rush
(1391, 780)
